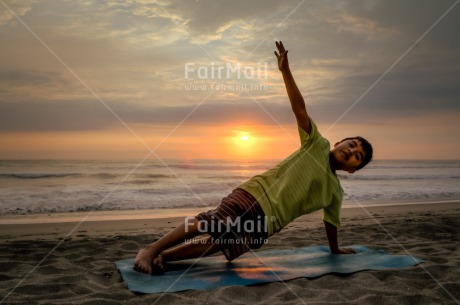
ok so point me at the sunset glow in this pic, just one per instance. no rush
(199, 82)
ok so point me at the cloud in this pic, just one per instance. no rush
(91, 115)
(20, 8)
(25, 77)
(132, 54)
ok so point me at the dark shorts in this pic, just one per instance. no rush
(238, 223)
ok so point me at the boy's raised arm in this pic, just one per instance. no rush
(295, 97)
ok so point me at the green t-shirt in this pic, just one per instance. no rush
(301, 184)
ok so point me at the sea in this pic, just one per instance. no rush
(50, 186)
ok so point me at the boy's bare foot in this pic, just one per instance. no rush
(144, 259)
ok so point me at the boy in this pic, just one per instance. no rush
(304, 182)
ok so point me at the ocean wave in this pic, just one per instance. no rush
(230, 177)
(84, 186)
(211, 167)
(397, 177)
(418, 165)
(155, 176)
(79, 175)
(139, 181)
(37, 175)
(104, 175)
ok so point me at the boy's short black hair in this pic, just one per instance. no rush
(367, 147)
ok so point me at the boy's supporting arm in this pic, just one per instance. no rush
(295, 97)
(331, 232)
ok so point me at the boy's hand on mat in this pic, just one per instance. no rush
(283, 63)
(344, 251)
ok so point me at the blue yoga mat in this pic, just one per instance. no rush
(268, 266)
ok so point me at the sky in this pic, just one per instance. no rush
(198, 79)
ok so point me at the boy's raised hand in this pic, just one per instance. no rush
(282, 58)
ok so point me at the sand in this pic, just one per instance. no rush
(50, 262)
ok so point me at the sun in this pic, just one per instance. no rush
(243, 140)
(242, 143)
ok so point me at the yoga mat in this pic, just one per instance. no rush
(268, 266)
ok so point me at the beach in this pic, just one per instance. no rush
(69, 258)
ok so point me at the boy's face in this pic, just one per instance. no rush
(348, 155)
